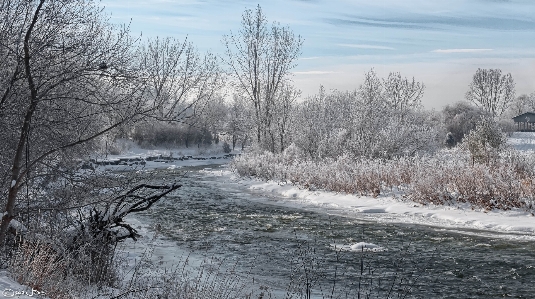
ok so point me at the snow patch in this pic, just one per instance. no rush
(362, 246)
(514, 224)
(11, 288)
(370, 210)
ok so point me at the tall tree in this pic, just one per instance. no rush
(260, 58)
(401, 93)
(491, 90)
(68, 77)
(284, 110)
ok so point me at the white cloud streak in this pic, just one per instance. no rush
(314, 73)
(461, 50)
(371, 47)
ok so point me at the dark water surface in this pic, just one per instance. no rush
(287, 248)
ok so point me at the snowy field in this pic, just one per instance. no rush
(522, 141)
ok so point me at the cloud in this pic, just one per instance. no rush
(309, 58)
(372, 23)
(418, 21)
(461, 50)
(314, 72)
(358, 46)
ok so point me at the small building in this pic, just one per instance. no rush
(525, 122)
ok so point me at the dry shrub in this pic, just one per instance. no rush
(40, 267)
(503, 184)
(61, 273)
(447, 178)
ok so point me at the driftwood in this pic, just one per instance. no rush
(86, 249)
(108, 223)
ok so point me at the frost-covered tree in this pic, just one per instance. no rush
(259, 58)
(240, 121)
(491, 90)
(521, 104)
(284, 116)
(211, 116)
(460, 118)
(363, 123)
(485, 141)
(401, 93)
(68, 78)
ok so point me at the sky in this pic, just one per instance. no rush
(440, 43)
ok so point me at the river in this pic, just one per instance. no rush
(293, 250)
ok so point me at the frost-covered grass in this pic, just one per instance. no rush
(37, 267)
(446, 178)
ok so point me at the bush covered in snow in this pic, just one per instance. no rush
(447, 178)
(460, 118)
(365, 122)
(485, 142)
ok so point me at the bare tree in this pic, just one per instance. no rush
(239, 125)
(69, 78)
(175, 74)
(284, 111)
(491, 90)
(260, 58)
(401, 93)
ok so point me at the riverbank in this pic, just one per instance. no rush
(134, 158)
(244, 221)
(514, 224)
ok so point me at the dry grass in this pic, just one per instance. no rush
(449, 177)
(62, 276)
(38, 266)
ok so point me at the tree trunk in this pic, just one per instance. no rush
(25, 131)
(234, 139)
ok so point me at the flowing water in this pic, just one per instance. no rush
(290, 249)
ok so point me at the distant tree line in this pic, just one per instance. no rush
(383, 117)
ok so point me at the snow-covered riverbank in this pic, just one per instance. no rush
(148, 159)
(11, 288)
(516, 224)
